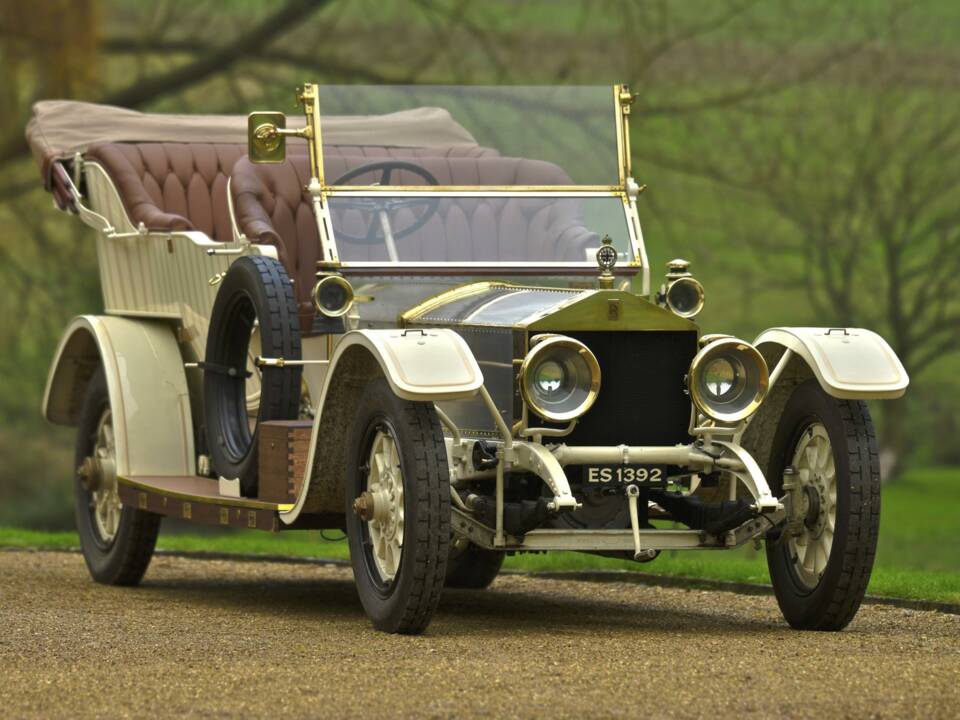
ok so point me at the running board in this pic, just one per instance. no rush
(198, 499)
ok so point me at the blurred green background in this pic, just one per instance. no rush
(802, 153)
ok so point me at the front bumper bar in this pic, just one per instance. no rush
(611, 540)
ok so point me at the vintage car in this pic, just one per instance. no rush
(426, 317)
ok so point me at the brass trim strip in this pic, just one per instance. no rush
(492, 190)
(625, 99)
(447, 296)
(309, 98)
(363, 269)
(618, 120)
(205, 499)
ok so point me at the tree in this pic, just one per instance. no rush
(853, 193)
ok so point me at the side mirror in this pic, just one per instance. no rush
(266, 142)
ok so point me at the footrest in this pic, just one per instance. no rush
(198, 499)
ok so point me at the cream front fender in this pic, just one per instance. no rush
(426, 364)
(147, 386)
(849, 363)
(420, 365)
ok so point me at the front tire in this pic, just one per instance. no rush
(821, 564)
(398, 509)
(117, 541)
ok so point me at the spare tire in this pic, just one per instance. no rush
(255, 295)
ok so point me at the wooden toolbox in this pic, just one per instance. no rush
(284, 445)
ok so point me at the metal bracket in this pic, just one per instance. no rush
(283, 362)
(219, 369)
(633, 493)
(541, 462)
(141, 231)
(752, 477)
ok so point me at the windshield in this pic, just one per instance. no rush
(507, 136)
(478, 228)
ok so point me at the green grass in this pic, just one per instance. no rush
(918, 557)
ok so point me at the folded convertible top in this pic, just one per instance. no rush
(61, 128)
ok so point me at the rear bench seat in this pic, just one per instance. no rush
(172, 186)
(272, 207)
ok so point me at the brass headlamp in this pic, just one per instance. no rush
(559, 378)
(333, 295)
(682, 293)
(728, 380)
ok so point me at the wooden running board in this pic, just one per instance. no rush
(198, 499)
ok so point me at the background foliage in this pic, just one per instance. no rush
(802, 153)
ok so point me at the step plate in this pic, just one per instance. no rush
(198, 499)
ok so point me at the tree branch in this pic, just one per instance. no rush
(245, 45)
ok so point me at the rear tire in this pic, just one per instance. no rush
(471, 567)
(399, 548)
(117, 541)
(821, 564)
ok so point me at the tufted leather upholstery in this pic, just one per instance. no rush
(172, 186)
(183, 186)
(272, 207)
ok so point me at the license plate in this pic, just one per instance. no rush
(646, 475)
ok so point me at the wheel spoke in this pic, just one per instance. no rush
(808, 557)
(108, 435)
(830, 469)
(823, 453)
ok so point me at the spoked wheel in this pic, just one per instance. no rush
(398, 509)
(117, 541)
(825, 463)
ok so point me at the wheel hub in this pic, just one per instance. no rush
(812, 518)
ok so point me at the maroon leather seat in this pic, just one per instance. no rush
(172, 186)
(272, 207)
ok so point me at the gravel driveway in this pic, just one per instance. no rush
(254, 639)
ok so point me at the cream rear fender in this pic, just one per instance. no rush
(147, 387)
(421, 365)
(849, 363)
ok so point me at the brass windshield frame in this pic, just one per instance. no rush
(308, 97)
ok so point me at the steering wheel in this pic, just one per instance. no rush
(380, 207)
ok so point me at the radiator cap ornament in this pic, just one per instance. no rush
(606, 260)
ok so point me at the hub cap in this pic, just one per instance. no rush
(384, 500)
(814, 500)
(99, 475)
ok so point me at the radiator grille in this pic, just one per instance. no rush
(642, 399)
